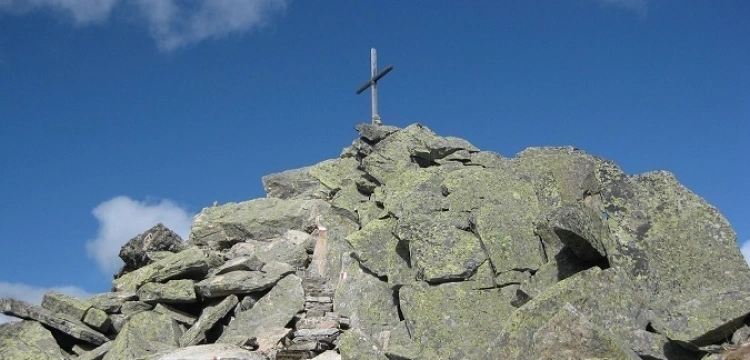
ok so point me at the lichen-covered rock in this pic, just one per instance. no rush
(192, 263)
(366, 301)
(280, 249)
(272, 312)
(243, 282)
(178, 315)
(170, 292)
(209, 351)
(210, 315)
(135, 253)
(28, 340)
(97, 320)
(590, 291)
(705, 320)
(62, 322)
(111, 302)
(670, 239)
(582, 229)
(436, 315)
(381, 252)
(64, 304)
(292, 184)
(356, 345)
(256, 219)
(570, 335)
(146, 333)
(240, 263)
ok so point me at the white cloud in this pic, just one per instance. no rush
(83, 12)
(174, 26)
(122, 218)
(745, 249)
(34, 294)
(172, 23)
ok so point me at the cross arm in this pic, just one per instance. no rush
(374, 79)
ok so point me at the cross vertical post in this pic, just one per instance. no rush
(373, 84)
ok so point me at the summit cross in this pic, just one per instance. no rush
(373, 84)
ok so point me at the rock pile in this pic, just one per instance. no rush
(416, 246)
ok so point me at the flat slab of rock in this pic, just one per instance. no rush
(171, 292)
(61, 303)
(209, 351)
(270, 314)
(189, 264)
(243, 282)
(210, 315)
(705, 320)
(570, 335)
(65, 324)
(28, 340)
(111, 302)
(144, 334)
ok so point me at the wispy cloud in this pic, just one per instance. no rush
(745, 249)
(34, 294)
(122, 218)
(172, 23)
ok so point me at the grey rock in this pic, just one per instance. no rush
(381, 252)
(28, 340)
(356, 345)
(292, 184)
(570, 335)
(135, 253)
(97, 320)
(280, 250)
(96, 353)
(243, 282)
(111, 302)
(61, 303)
(61, 322)
(244, 263)
(210, 315)
(375, 133)
(130, 307)
(209, 351)
(705, 320)
(366, 301)
(582, 229)
(270, 314)
(258, 219)
(145, 333)
(193, 263)
(171, 292)
(328, 355)
(179, 316)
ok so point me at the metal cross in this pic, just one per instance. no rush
(373, 83)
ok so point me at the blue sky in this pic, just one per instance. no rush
(115, 115)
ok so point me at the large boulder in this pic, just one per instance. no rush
(137, 252)
(193, 263)
(144, 334)
(269, 315)
(28, 340)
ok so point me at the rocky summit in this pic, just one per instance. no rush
(415, 246)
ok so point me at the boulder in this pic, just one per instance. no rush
(436, 314)
(210, 315)
(192, 263)
(97, 320)
(705, 320)
(570, 335)
(582, 229)
(208, 351)
(381, 252)
(292, 184)
(280, 249)
(178, 315)
(64, 323)
(240, 263)
(135, 253)
(111, 302)
(170, 292)
(145, 333)
(255, 219)
(28, 340)
(270, 314)
(243, 282)
(64, 304)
